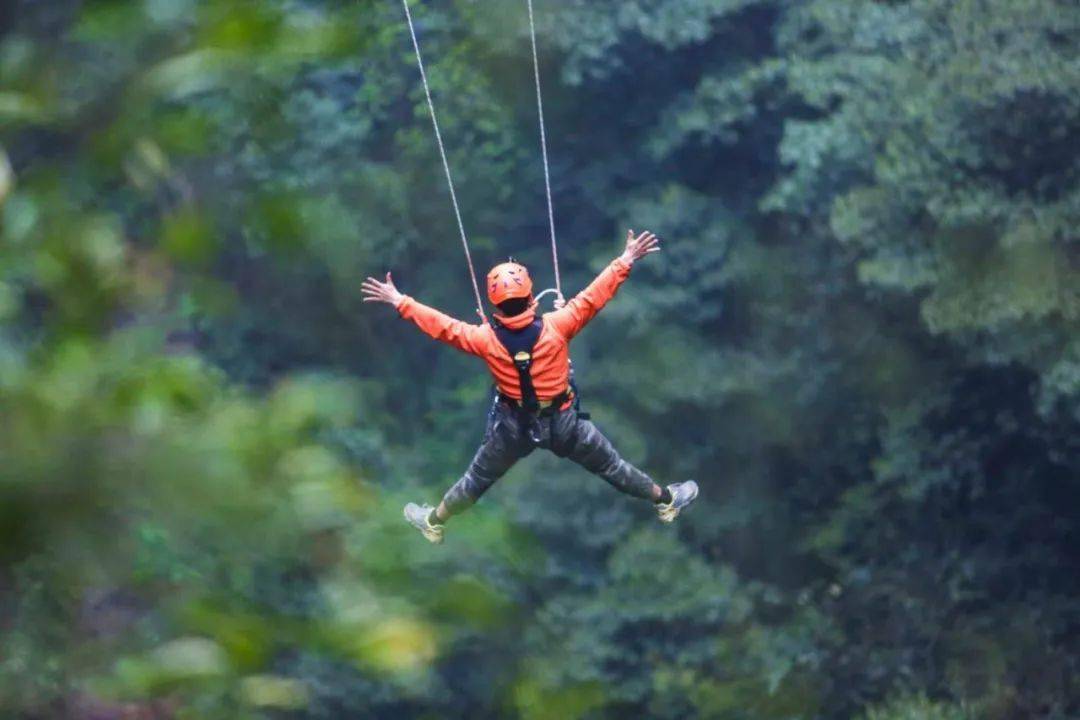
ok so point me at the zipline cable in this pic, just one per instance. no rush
(544, 152)
(446, 163)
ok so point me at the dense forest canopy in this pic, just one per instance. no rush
(862, 339)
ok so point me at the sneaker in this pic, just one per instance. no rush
(682, 494)
(418, 515)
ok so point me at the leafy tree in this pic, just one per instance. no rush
(861, 339)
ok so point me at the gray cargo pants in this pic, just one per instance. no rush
(565, 433)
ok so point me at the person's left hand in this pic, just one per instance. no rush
(638, 247)
(375, 291)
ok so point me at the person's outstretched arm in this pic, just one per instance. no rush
(576, 314)
(465, 337)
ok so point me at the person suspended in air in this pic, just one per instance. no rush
(528, 356)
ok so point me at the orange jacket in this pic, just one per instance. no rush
(551, 354)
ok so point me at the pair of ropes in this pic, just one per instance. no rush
(446, 164)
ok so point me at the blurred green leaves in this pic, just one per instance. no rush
(860, 339)
(916, 708)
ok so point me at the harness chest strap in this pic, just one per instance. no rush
(523, 362)
(519, 345)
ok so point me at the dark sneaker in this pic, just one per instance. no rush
(418, 515)
(682, 494)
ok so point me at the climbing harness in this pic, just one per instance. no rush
(519, 344)
(557, 290)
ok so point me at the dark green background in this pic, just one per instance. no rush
(862, 339)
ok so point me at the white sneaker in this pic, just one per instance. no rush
(418, 515)
(682, 494)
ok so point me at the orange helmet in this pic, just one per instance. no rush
(507, 281)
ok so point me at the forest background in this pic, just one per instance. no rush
(862, 339)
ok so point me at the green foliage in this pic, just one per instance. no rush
(916, 708)
(860, 338)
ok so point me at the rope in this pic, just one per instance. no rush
(543, 149)
(445, 162)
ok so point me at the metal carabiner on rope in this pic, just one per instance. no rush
(551, 291)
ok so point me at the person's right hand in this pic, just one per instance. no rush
(640, 246)
(375, 291)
